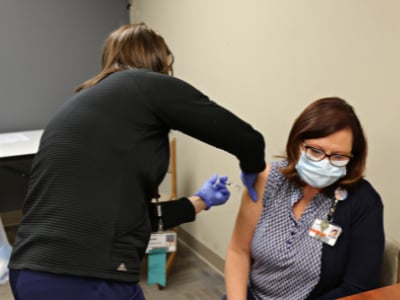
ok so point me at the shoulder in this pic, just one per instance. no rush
(157, 86)
(275, 177)
(271, 172)
(149, 78)
(363, 200)
(262, 177)
(366, 193)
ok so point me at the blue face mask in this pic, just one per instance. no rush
(318, 174)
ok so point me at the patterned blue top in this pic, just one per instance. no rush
(286, 261)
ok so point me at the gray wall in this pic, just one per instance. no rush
(47, 48)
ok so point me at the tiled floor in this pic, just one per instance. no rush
(190, 279)
(5, 292)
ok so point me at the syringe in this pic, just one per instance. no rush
(234, 185)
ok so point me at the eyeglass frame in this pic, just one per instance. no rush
(349, 156)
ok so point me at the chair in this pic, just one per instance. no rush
(390, 270)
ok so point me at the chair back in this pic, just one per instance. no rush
(390, 270)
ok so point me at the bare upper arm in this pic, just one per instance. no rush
(249, 214)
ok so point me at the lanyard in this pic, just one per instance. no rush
(158, 211)
(332, 210)
(340, 195)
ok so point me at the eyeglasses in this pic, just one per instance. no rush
(337, 160)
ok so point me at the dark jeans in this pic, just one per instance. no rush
(32, 285)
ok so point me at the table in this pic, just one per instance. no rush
(15, 145)
(391, 292)
(17, 150)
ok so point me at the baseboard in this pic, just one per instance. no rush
(205, 253)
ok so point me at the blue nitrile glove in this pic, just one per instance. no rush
(214, 191)
(248, 180)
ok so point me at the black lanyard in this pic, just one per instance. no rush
(158, 211)
(340, 195)
(332, 210)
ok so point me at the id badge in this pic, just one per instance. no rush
(325, 232)
(165, 240)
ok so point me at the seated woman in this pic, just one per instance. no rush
(281, 248)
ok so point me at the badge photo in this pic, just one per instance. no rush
(325, 232)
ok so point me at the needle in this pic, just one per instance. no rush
(235, 185)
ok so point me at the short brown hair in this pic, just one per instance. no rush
(321, 118)
(132, 46)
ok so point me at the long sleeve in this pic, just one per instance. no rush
(355, 266)
(182, 107)
(174, 213)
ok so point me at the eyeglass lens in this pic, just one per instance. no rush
(337, 160)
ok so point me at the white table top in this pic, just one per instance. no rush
(19, 143)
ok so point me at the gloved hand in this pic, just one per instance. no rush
(248, 180)
(214, 191)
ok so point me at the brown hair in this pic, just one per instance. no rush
(320, 119)
(132, 46)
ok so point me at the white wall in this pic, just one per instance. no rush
(267, 60)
